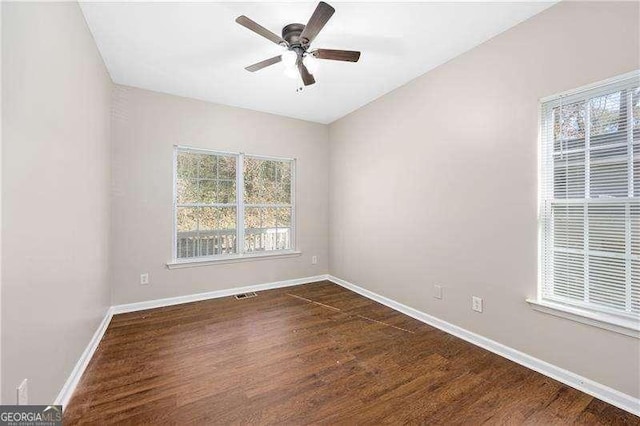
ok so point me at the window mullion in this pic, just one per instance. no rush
(240, 204)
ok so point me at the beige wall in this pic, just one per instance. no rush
(55, 194)
(146, 126)
(436, 183)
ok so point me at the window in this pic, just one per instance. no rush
(215, 192)
(267, 204)
(590, 198)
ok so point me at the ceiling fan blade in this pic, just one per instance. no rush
(317, 21)
(337, 55)
(307, 77)
(263, 64)
(259, 29)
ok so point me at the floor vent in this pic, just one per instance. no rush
(245, 295)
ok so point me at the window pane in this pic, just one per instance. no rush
(608, 119)
(226, 191)
(267, 240)
(269, 217)
(283, 222)
(207, 234)
(283, 218)
(267, 181)
(187, 165)
(607, 227)
(187, 219)
(228, 218)
(187, 191)
(207, 166)
(226, 167)
(206, 231)
(569, 151)
(257, 230)
(284, 238)
(267, 229)
(609, 179)
(607, 281)
(568, 181)
(207, 220)
(207, 192)
(568, 226)
(569, 126)
(217, 230)
(284, 182)
(609, 153)
(205, 179)
(252, 181)
(252, 218)
(187, 232)
(568, 275)
(268, 171)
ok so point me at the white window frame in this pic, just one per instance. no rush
(612, 321)
(241, 255)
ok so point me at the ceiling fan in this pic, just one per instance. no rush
(296, 39)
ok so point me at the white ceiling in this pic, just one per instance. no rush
(197, 50)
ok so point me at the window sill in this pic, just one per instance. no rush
(606, 321)
(206, 261)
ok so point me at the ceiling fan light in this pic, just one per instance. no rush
(311, 62)
(291, 72)
(289, 58)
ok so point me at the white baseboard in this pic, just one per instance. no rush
(598, 390)
(158, 303)
(72, 381)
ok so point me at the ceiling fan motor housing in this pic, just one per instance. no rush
(291, 33)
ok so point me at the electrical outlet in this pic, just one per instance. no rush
(144, 278)
(23, 394)
(476, 303)
(437, 291)
(314, 260)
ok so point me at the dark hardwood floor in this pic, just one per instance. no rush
(315, 353)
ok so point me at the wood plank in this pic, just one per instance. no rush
(315, 353)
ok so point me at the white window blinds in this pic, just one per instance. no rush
(590, 197)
